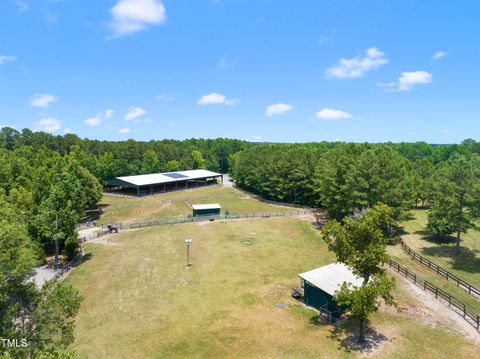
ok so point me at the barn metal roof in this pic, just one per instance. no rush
(159, 178)
(330, 278)
(206, 206)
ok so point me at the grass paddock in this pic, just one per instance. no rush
(141, 302)
(130, 209)
(442, 251)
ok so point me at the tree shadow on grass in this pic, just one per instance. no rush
(345, 333)
(86, 257)
(435, 239)
(468, 261)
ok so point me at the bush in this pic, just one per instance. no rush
(71, 247)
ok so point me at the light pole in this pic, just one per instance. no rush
(188, 242)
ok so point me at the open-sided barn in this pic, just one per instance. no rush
(141, 185)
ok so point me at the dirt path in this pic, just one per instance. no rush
(433, 311)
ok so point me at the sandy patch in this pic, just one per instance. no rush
(432, 311)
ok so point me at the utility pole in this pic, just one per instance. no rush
(57, 245)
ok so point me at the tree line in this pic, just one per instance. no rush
(346, 177)
(106, 159)
(43, 195)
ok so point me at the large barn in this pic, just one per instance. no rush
(142, 185)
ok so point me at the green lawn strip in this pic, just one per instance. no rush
(466, 267)
(129, 209)
(397, 254)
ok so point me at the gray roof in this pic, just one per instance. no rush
(159, 178)
(330, 278)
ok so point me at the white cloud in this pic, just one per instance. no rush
(94, 121)
(134, 113)
(124, 131)
(67, 130)
(49, 124)
(42, 100)
(278, 109)
(217, 99)
(22, 5)
(130, 16)
(331, 114)
(226, 63)
(6, 58)
(164, 97)
(357, 66)
(407, 81)
(438, 55)
(109, 113)
(98, 120)
(446, 131)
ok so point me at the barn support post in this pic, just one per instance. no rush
(151, 189)
(164, 188)
(138, 191)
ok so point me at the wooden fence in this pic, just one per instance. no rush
(186, 219)
(59, 274)
(461, 308)
(472, 290)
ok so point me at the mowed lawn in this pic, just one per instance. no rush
(442, 252)
(141, 302)
(129, 209)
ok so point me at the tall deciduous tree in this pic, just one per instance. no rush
(198, 161)
(360, 243)
(457, 197)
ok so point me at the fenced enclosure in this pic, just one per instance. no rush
(186, 219)
(459, 307)
(472, 290)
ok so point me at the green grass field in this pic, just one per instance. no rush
(467, 266)
(140, 301)
(129, 209)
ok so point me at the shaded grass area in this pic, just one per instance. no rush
(129, 209)
(442, 250)
(141, 302)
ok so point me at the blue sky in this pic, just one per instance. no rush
(263, 70)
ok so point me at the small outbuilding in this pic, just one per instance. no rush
(200, 210)
(319, 285)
